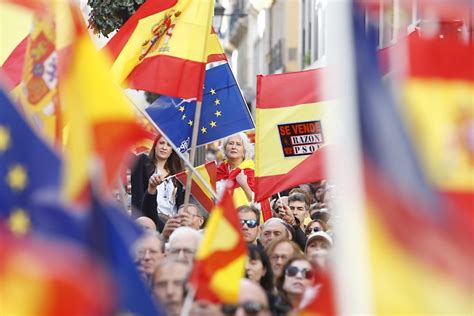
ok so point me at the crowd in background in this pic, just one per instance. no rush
(285, 252)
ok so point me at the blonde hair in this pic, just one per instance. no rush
(248, 146)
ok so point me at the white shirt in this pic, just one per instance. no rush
(166, 198)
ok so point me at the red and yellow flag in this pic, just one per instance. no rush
(161, 48)
(37, 278)
(220, 260)
(209, 173)
(439, 105)
(102, 125)
(38, 95)
(290, 132)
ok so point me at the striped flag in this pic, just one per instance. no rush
(420, 253)
(209, 172)
(220, 260)
(102, 121)
(161, 47)
(291, 137)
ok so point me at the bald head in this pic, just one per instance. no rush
(183, 243)
(146, 223)
(273, 228)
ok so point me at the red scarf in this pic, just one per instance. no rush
(224, 174)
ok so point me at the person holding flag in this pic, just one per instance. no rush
(153, 191)
(238, 166)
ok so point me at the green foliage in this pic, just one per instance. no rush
(109, 15)
(151, 97)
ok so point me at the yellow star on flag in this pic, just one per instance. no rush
(218, 113)
(181, 108)
(204, 130)
(4, 138)
(19, 222)
(17, 178)
(213, 91)
(213, 124)
(217, 101)
(190, 123)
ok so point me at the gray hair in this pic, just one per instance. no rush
(248, 146)
(201, 211)
(184, 230)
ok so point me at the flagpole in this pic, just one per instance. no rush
(192, 155)
(197, 118)
(188, 301)
(177, 151)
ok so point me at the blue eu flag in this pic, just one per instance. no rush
(29, 169)
(224, 111)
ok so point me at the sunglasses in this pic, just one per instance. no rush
(314, 230)
(250, 308)
(251, 223)
(292, 271)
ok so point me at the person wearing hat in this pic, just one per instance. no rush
(317, 248)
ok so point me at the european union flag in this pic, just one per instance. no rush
(29, 169)
(224, 111)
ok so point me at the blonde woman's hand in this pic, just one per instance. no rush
(241, 178)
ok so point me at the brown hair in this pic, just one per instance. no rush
(297, 195)
(173, 164)
(275, 242)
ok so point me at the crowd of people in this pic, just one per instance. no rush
(286, 252)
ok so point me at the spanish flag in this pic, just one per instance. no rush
(102, 125)
(439, 105)
(290, 136)
(209, 173)
(420, 254)
(161, 48)
(220, 260)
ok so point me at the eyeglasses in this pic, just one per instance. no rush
(292, 271)
(314, 230)
(143, 252)
(186, 251)
(251, 223)
(250, 308)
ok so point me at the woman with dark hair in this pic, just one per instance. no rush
(259, 270)
(298, 275)
(153, 192)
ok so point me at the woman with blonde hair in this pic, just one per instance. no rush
(237, 167)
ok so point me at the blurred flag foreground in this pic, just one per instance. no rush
(102, 122)
(290, 136)
(220, 260)
(98, 241)
(94, 236)
(421, 255)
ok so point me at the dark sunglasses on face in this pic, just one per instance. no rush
(292, 271)
(250, 308)
(314, 230)
(251, 223)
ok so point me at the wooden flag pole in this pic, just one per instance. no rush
(192, 155)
